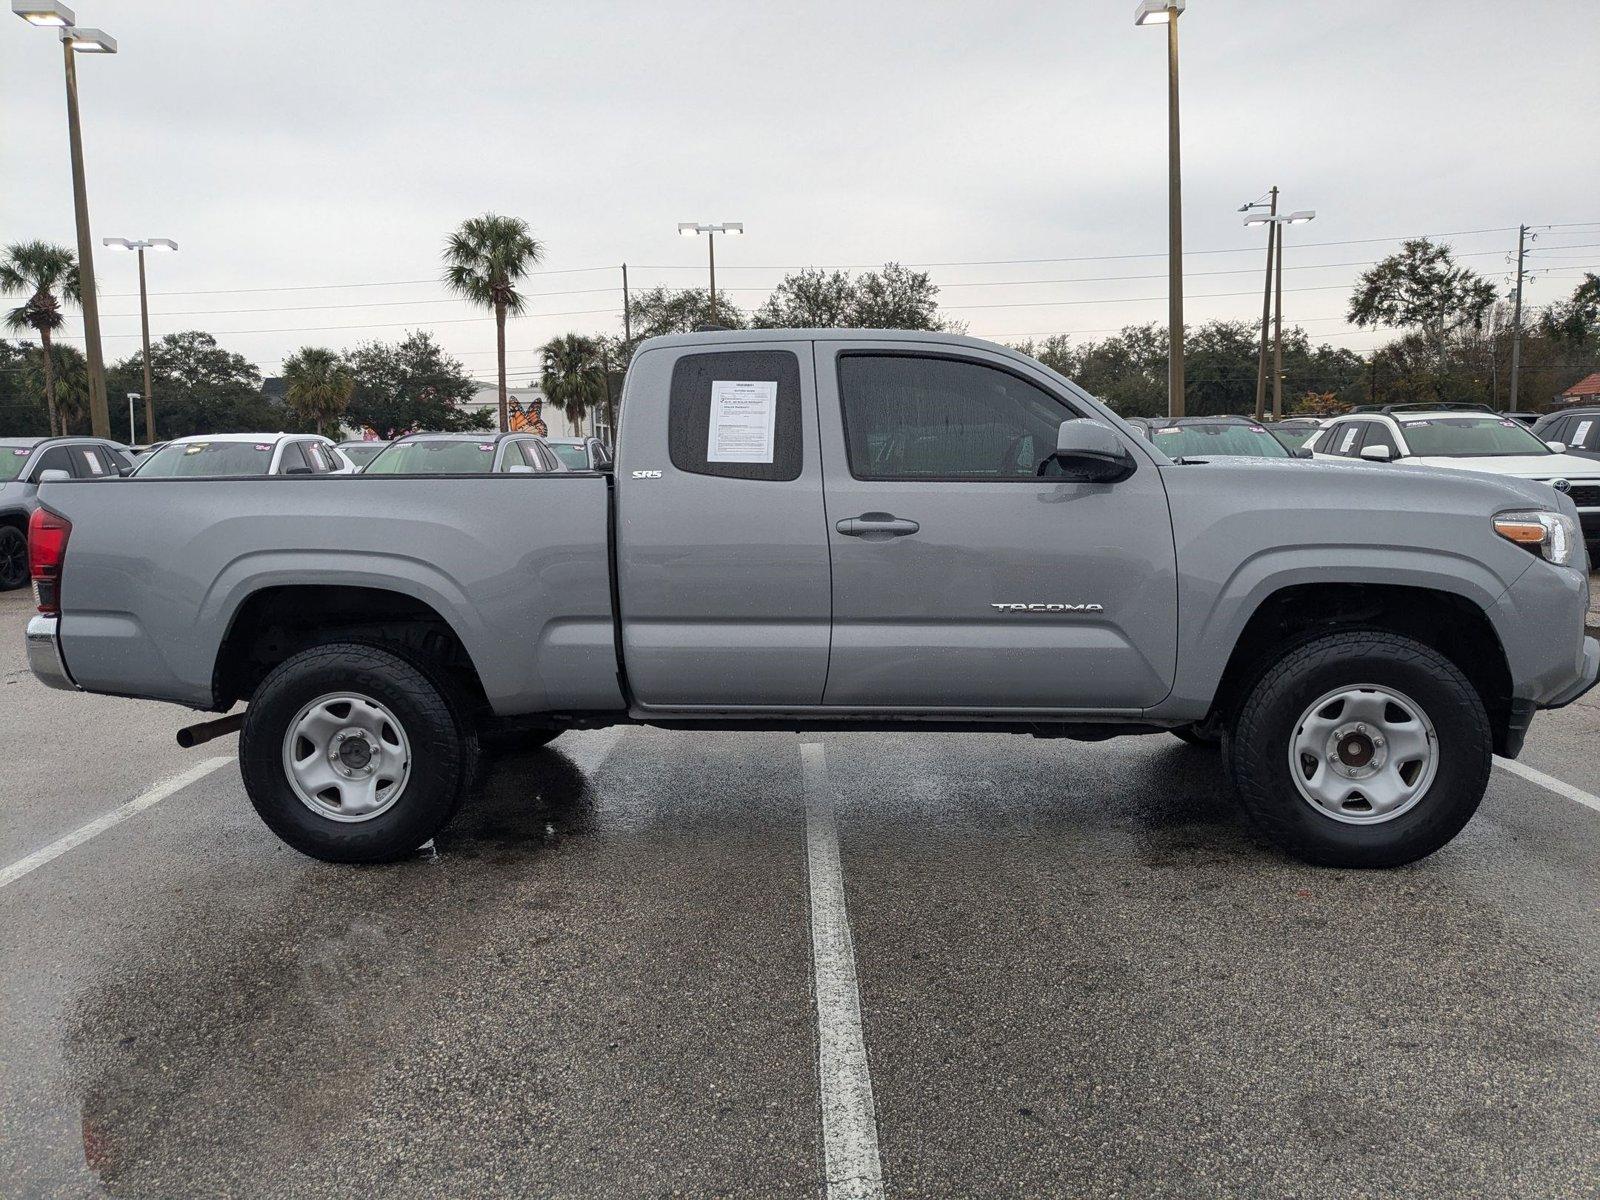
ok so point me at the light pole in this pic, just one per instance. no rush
(75, 41)
(133, 434)
(1277, 222)
(1165, 12)
(694, 228)
(141, 245)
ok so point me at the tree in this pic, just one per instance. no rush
(659, 311)
(893, 298)
(573, 377)
(1576, 321)
(410, 384)
(203, 388)
(1422, 288)
(809, 299)
(484, 260)
(67, 370)
(318, 386)
(40, 271)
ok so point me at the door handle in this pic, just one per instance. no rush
(877, 526)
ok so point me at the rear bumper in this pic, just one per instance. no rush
(44, 654)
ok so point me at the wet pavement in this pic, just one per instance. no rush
(1079, 974)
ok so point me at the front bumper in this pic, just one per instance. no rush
(44, 654)
(1589, 673)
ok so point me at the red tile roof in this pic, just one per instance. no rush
(1587, 386)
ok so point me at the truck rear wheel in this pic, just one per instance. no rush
(351, 753)
(1361, 749)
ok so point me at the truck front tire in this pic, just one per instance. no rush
(13, 558)
(1361, 749)
(351, 753)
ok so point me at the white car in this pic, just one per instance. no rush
(1463, 438)
(215, 454)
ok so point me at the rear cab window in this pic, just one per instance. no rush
(736, 414)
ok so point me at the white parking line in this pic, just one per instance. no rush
(849, 1118)
(1549, 782)
(111, 819)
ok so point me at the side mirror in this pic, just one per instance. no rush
(1558, 447)
(298, 471)
(1301, 452)
(124, 471)
(1377, 453)
(1088, 452)
(521, 469)
(54, 475)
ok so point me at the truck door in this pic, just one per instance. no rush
(722, 551)
(962, 580)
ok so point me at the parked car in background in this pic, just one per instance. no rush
(581, 454)
(1464, 437)
(465, 454)
(22, 462)
(1295, 432)
(359, 453)
(1526, 418)
(211, 454)
(1577, 428)
(138, 452)
(1193, 438)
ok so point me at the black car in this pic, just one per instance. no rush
(1578, 428)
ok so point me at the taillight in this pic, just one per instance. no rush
(47, 549)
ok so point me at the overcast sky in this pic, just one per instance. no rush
(288, 144)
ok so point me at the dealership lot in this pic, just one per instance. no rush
(1077, 973)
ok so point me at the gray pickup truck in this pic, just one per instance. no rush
(819, 530)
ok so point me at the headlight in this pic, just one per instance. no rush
(1551, 535)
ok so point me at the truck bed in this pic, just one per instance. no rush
(516, 564)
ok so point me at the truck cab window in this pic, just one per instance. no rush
(917, 417)
(694, 378)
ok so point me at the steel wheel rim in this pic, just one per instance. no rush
(346, 757)
(1363, 754)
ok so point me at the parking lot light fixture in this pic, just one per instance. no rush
(141, 245)
(710, 229)
(89, 41)
(43, 12)
(1157, 12)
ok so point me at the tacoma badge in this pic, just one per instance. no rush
(1071, 608)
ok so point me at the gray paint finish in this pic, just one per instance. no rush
(739, 597)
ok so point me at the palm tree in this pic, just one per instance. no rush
(572, 376)
(484, 261)
(318, 385)
(39, 271)
(65, 369)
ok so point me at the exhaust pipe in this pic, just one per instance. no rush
(192, 735)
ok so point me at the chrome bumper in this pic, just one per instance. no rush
(44, 654)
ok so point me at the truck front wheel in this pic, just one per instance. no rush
(1361, 749)
(351, 753)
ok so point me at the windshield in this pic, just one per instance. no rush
(434, 456)
(1470, 437)
(207, 458)
(361, 453)
(1218, 441)
(576, 457)
(12, 460)
(1294, 436)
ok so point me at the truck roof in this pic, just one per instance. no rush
(709, 337)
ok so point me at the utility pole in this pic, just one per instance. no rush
(1266, 299)
(711, 250)
(1175, 395)
(1277, 331)
(1516, 317)
(627, 316)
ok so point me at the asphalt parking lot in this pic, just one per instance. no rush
(1073, 972)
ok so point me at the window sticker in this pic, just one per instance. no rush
(92, 461)
(199, 447)
(486, 447)
(743, 421)
(20, 453)
(1581, 432)
(263, 445)
(1349, 439)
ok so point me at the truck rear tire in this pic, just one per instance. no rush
(352, 753)
(1361, 749)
